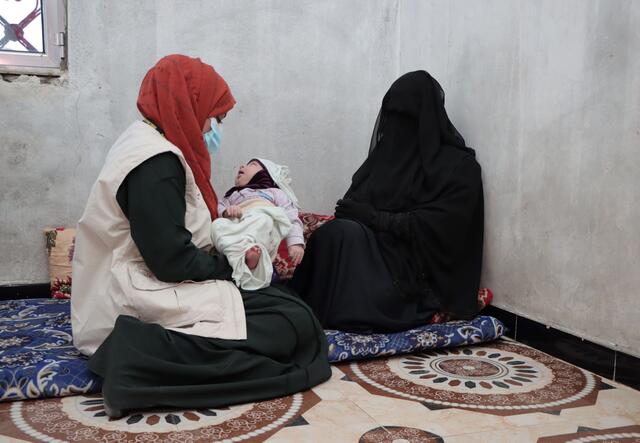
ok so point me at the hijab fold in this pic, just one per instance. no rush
(178, 94)
(420, 168)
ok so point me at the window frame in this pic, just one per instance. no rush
(51, 62)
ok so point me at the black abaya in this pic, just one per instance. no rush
(419, 192)
(345, 280)
(145, 365)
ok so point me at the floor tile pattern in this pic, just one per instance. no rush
(497, 392)
(503, 378)
(627, 434)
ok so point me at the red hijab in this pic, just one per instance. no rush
(178, 95)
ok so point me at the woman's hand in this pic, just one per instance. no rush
(232, 212)
(363, 212)
(296, 252)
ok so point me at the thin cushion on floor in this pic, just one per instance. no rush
(345, 346)
(38, 359)
(37, 356)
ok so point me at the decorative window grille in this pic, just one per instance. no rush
(32, 36)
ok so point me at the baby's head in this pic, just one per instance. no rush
(246, 172)
(260, 173)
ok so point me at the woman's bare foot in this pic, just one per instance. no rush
(252, 257)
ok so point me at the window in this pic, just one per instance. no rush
(32, 36)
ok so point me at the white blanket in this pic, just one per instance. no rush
(264, 226)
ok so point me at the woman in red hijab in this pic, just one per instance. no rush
(181, 95)
(153, 305)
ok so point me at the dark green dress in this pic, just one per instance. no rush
(144, 365)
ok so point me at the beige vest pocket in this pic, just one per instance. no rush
(155, 301)
(172, 304)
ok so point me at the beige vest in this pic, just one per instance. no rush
(110, 277)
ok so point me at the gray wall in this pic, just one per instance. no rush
(545, 91)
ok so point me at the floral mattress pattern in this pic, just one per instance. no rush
(346, 346)
(37, 356)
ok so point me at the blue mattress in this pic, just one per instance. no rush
(37, 356)
(38, 359)
(346, 346)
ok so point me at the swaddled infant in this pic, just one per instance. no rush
(257, 213)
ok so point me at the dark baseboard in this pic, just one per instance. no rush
(14, 292)
(609, 363)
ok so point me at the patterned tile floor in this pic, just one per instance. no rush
(498, 392)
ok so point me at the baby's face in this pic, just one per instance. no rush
(246, 172)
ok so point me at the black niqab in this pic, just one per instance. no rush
(420, 168)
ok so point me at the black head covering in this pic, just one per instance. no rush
(260, 180)
(419, 166)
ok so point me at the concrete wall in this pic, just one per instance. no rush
(547, 92)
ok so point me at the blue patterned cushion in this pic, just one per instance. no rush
(38, 359)
(345, 346)
(37, 356)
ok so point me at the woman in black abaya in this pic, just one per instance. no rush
(408, 234)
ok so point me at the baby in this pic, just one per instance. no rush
(257, 213)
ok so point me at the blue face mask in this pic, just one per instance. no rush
(213, 137)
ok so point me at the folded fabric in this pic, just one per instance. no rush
(60, 244)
